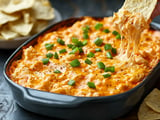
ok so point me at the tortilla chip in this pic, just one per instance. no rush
(43, 10)
(20, 27)
(3, 4)
(145, 7)
(39, 25)
(18, 5)
(5, 18)
(145, 112)
(7, 33)
(153, 100)
(27, 17)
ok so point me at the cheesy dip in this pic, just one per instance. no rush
(84, 60)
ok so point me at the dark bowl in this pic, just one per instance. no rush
(72, 107)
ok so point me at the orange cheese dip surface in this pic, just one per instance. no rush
(67, 61)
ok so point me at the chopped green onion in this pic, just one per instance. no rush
(106, 31)
(98, 41)
(90, 55)
(79, 44)
(109, 69)
(57, 71)
(118, 36)
(69, 45)
(114, 50)
(56, 55)
(85, 42)
(91, 85)
(109, 55)
(85, 36)
(106, 75)
(73, 47)
(74, 39)
(71, 82)
(107, 46)
(75, 50)
(45, 60)
(75, 63)
(115, 33)
(60, 41)
(98, 50)
(101, 65)
(80, 50)
(87, 61)
(49, 55)
(98, 26)
(49, 46)
(86, 28)
(62, 51)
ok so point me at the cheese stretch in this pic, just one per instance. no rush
(89, 78)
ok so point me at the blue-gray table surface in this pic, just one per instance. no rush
(9, 110)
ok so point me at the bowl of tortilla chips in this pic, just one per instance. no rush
(20, 19)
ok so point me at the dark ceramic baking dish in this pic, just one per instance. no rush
(72, 107)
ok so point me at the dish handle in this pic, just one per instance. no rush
(53, 99)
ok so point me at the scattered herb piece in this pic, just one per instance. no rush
(91, 85)
(45, 60)
(98, 41)
(71, 82)
(109, 55)
(90, 55)
(98, 50)
(56, 55)
(87, 61)
(62, 51)
(57, 71)
(49, 55)
(106, 75)
(49, 46)
(107, 46)
(60, 41)
(109, 69)
(101, 65)
(75, 63)
(98, 26)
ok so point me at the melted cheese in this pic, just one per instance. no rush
(29, 71)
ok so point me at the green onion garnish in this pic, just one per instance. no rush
(86, 28)
(109, 55)
(87, 61)
(45, 60)
(56, 55)
(106, 75)
(62, 51)
(115, 33)
(114, 50)
(98, 50)
(74, 39)
(106, 31)
(90, 55)
(69, 45)
(49, 46)
(75, 63)
(91, 85)
(101, 65)
(75, 50)
(49, 55)
(57, 71)
(71, 82)
(109, 69)
(85, 36)
(60, 41)
(118, 36)
(80, 50)
(98, 26)
(85, 42)
(107, 46)
(98, 41)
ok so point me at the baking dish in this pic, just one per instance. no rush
(72, 107)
